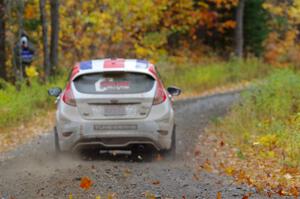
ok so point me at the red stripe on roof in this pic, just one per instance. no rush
(114, 63)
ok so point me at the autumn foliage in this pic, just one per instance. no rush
(130, 28)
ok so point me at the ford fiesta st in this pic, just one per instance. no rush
(114, 104)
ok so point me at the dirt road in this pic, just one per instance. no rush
(33, 171)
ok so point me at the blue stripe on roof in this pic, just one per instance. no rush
(140, 63)
(85, 65)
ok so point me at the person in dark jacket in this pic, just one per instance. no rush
(24, 53)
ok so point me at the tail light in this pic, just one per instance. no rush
(68, 96)
(160, 95)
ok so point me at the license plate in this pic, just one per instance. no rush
(114, 110)
(115, 127)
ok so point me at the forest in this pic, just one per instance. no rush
(64, 32)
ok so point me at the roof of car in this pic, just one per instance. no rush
(104, 65)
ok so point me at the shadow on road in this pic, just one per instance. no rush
(146, 154)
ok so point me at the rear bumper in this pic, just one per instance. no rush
(117, 142)
(155, 130)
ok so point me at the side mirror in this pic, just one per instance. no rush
(54, 91)
(174, 91)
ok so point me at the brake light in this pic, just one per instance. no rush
(160, 95)
(68, 96)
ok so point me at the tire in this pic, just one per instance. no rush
(171, 153)
(56, 142)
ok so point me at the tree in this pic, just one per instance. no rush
(2, 40)
(54, 33)
(256, 28)
(239, 29)
(47, 67)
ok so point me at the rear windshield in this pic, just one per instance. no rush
(114, 83)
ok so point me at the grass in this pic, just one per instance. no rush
(196, 78)
(21, 106)
(267, 119)
(17, 107)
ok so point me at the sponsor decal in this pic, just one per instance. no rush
(108, 84)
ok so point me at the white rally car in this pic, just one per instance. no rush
(114, 104)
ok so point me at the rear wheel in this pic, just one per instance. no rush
(171, 153)
(56, 142)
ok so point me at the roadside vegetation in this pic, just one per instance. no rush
(195, 78)
(267, 118)
(262, 131)
(22, 104)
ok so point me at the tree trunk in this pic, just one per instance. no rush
(2, 41)
(47, 67)
(239, 29)
(54, 33)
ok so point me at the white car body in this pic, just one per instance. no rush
(114, 119)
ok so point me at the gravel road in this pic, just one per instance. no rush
(33, 170)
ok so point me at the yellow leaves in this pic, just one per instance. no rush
(203, 4)
(141, 51)
(31, 12)
(31, 72)
(117, 37)
(277, 10)
(111, 195)
(149, 195)
(229, 170)
(268, 140)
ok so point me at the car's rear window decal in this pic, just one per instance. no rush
(114, 83)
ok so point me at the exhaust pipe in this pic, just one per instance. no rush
(141, 147)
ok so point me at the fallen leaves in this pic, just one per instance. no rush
(207, 166)
(245, 197)
(156, 182)
(11, 138)
(221, 143)
(149, 195)
(264, 173)
(127, 172)
(219, 195)
(86, 183)
(294, 191)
